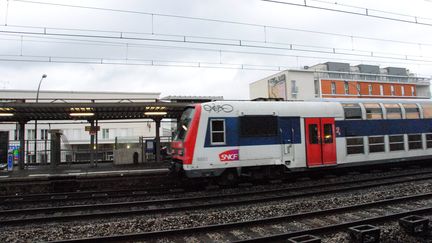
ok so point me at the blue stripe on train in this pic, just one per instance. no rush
(348, 128)
(290, 127)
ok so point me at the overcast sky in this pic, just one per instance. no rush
(78, 38)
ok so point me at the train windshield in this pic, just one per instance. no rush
(184, 123)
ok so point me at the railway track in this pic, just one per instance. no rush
(81, 212)
(169, 188)
(52, 184)
(279, 229)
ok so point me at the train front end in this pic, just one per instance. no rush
(183, 144)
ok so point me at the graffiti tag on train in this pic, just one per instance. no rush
(218, 108)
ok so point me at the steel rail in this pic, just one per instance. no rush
(80, 195)
(305, 191)
(218, 227)
(84, 195)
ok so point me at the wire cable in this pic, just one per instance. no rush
(162, 63)
(127, 45)
(224, 21)
(365, 14)
(235, 43)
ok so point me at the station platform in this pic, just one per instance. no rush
(104, 169)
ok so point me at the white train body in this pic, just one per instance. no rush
(248, 136)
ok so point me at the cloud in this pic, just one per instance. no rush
(169, 80)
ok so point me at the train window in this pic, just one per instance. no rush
(428, 140)
(393, 111)
(396, 142)
(352, 111)
(328, 133)
(411, 111)
(217, 131)
(427, 110)
(373, 111)
(355, 145)
(313, 134)
(376, 144)
(184, 123)
(414, 141)
(258, 126)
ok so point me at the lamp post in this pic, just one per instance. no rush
(35, 130)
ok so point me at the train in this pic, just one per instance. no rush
(259, 139)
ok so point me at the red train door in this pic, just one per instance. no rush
(320, 141)
(313, 145)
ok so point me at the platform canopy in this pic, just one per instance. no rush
(16, 111)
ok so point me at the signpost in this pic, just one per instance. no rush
(94, 130)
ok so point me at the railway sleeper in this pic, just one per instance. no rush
(305, 239)
(415, 225)
(365, 233)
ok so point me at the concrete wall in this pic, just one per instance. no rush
(125, 156)
(258, 89)
(304, 82)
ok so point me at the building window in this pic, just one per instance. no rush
(412, 91)
(333, 87)
(355, 145)
(403, 90)
(396, 142)
(105, 133)
(376, 144)
(411, 111)
(352, 111)
(30, 134)
(428, 140)
(258, 126)
(392, 90)
(414, 141)
(370, 89)
(317, 88)
(373, 111)
(393, 111)
(294, 89)
(427, 110)
(381, 90)
(358, 88)
(44, 134)
(217, 131)
(346, 86)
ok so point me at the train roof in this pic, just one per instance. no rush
(332, 100)
(368, 100)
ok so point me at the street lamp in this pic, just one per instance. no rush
(35, 130)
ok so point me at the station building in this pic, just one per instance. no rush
(341, 80)
(75, 136)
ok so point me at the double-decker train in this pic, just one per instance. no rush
(264, 138)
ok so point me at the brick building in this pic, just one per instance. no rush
(341, 80)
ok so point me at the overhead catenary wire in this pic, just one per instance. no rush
(369, 9)
(366, 13)
(242, 43)
(405, 57)
(233, 43)
(264, 26)
(161, 63)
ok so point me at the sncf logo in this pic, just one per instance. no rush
(229, 155)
